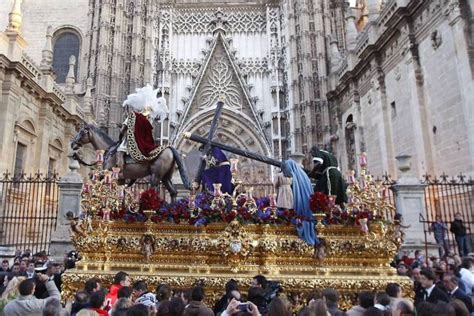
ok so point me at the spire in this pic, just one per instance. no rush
(373, 7)
(71, 78)
(47, 54)
(14, 18)
(336, 57)
(88, 96)
(351, 30)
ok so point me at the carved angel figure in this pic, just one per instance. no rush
(75, 223)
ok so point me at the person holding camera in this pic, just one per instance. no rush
(26, 303)
(236, 307)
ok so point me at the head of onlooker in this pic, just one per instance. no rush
(278, 307)
(402, 269)
(424, 308)
(138, 310)
(382, 301)
(332, 298)
(125, 292)
(318, 307)
(81, 300)
(143, 296)
(97, 300)
(402, 307)
(121, 306)
(122, 279)
(16, 268)
(442, 308)
(186, 297)
(27, 287)
(415, 274)
(459, 307)
(92, 285)
(427, 278)
(163, 292)
(366, 299)
(139, 288)
(256, 295)
(197, 306)
(31, 267)
(176, 307)
(450, 282)
(52, 307)
(259, 281)
(5, 265)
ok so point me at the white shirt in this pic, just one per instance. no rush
(429, 290)
(454, 290)
(468, 278)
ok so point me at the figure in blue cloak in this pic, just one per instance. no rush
(218, 171)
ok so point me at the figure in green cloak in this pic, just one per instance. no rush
(328, 177)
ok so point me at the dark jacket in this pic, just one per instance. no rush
(462, 296)
(333, 310)
(458, 228)
(436, 295)
(196, 308)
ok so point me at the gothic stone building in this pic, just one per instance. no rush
(389, 78)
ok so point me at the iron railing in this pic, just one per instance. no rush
(28, 210)
(445, 196)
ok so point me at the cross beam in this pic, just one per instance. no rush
(237, 151)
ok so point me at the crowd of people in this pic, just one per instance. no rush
(31, 286)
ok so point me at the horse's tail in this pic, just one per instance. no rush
(183, 172)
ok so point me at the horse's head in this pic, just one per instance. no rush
(81, 138)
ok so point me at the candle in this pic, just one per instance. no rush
(115, 173)
(363, 160)
(351, 177)
(273, 200)
(100, 156)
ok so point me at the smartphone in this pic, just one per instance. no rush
(243, 307)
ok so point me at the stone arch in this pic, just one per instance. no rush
(67, 41)
(235, 130)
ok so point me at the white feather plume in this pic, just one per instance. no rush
(146, 97)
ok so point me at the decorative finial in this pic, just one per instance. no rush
(71, 78)
(47, 54)
(14, 18)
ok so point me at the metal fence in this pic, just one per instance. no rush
(445, 196)
(28, 210)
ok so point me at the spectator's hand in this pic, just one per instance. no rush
(233, 307)
(253, 309)
(43, 277)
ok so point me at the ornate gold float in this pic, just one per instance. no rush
(350, 258)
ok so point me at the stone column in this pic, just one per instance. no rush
(70, 187)
(410, 201)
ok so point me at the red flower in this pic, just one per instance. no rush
(319, 202)
(150, 200)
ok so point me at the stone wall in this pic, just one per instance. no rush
(408, 84)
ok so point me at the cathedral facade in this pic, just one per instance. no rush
(390, 78)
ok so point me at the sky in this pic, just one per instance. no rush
(352, 2)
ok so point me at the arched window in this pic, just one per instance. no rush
(66, 43)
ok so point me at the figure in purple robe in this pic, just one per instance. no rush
(218, 171)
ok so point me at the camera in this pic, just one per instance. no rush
(243, 307)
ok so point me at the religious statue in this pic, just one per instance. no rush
(75, 224)
(148, 246)
(217, 171)
(136, 136)
(328, 177)
(284, 194)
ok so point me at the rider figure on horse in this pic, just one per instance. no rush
(136, 135)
